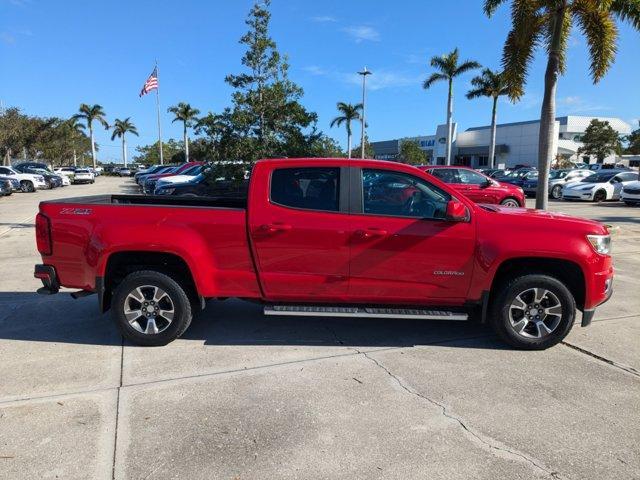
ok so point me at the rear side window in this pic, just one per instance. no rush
(447, 175)
(309, 188)
(469, 177)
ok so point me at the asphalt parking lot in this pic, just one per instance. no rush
(242, 396)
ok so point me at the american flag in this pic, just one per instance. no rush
(151, 83)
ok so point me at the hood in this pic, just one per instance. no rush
(530, 214)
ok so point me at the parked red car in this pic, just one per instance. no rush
(477, 186)
(328, 237)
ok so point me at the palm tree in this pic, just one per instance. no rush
(548, 23)
(449, 69)
(75, 129)
(120, 128)
(489, 84)
(91, 113)
(188, 116)
(349, 113)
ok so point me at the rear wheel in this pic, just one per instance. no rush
(556, 192)
(533, 312)
(510, 202)
(27, 186)
(600, 196)
(151, 308)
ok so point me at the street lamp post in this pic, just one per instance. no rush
(364, 74)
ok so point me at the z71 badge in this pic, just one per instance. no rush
(76, 211)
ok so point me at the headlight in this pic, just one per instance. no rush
(588, 187)
(600, 243)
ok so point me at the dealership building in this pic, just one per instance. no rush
(516, 143)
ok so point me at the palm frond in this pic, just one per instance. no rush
(466, 66)
(490, 6)
(476, 93)
(433, 78)
(601, 33)
(627, 11)
(527, 26)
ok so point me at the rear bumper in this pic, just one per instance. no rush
(47, 274)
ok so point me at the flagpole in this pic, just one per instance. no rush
(158, 106)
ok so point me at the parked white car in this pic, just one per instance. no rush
(604, 185)
(186, 176)
(29, 182)
(631, 193)
(83, 175)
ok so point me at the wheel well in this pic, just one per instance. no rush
(120, 264)
(566, 271)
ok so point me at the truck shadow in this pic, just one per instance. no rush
(29, 317)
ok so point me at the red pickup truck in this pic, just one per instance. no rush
(328, 237)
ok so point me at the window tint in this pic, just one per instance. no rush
(310, 188)
(402, 195)
(447, 175)
(469, 177)
(628, 176)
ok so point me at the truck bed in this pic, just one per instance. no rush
(160, 200)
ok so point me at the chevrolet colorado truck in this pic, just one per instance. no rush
(328, 237)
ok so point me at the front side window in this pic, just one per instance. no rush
(312, 188)
(401, 195)
(469, 177)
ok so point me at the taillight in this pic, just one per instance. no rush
(43, 234)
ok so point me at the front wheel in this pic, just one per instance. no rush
(556, 192)
(27, 186)
(151, 308)
(533, 312)
(600, 196)
(510, 202)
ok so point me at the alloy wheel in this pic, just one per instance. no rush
(509, 202)
(535, 313)
(149, 309)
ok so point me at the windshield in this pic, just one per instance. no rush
(599, 177)
(555, 174)
(194, 170)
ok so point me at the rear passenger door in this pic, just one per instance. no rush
(300, 233)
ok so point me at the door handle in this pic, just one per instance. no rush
(275, 227)
(371, 232)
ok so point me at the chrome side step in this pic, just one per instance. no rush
(362, 312)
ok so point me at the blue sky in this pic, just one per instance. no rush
(55, 55)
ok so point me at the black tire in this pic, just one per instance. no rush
(556, 192)
(501, 306)
(27, 186)
(600, 196)
(508, 202)
(180, 302)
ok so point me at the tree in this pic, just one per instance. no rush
(150, 154)
(120, 129)
(449, 68)
(490, 84)
(266, 113)
(548, 23)
(188, 115)
(600, 139)
(76, 131)
(411, 153)
(634, 142)
(349, 113)
(368, 149)
(89, 114)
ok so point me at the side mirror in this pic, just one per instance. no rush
(457, 211)
(487, 183)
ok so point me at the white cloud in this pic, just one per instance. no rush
(380, 79)
(361, 33)
(324, 19)
(577, 104)
(7, 38)
(315, 70)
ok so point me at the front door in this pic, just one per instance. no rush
(403, 250)
(299, 234)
